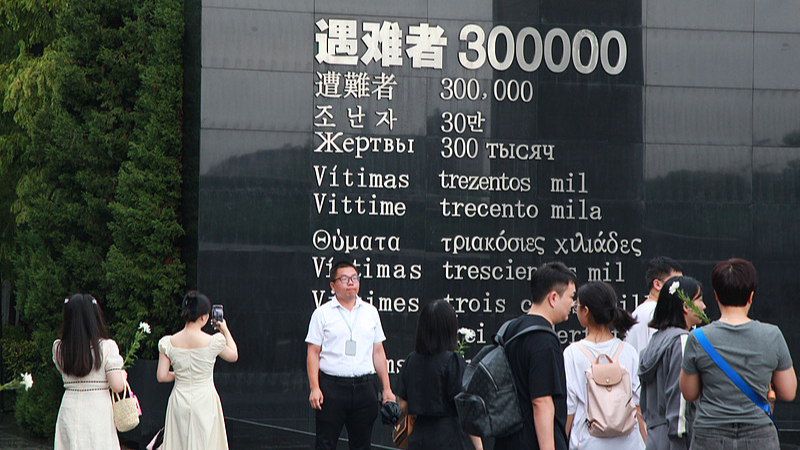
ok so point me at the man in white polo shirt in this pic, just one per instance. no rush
(345, 352)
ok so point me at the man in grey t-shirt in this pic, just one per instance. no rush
(756, 351)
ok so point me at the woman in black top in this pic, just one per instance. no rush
(430, 380)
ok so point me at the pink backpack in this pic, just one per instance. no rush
(610, 411)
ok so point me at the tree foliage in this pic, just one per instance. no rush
(144, 259)
(90, 145)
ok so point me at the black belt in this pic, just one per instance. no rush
(349, 380)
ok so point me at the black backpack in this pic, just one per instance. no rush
(488, 405)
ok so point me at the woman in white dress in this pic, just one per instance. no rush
(89, 363)
(194, 412)
(599, 312)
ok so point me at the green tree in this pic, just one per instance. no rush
(144, 270)
(27, 29)
(28, 39)
(91, 141)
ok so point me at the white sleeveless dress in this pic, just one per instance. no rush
(194, 412)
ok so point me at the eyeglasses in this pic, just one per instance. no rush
(346, 280)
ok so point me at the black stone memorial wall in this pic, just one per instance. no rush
(450, 147)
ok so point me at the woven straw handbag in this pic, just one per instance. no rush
(126, 410)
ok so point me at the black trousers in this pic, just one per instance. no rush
(347, 402)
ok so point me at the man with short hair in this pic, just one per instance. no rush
(345, 352)
(659, 270)
(537, 362)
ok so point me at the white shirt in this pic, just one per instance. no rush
(329, 329)
(575, 365)
(640, 334)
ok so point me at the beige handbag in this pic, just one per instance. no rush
(126, 410)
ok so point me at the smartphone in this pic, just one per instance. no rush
(216, 314)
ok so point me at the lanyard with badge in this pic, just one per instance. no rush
(350, 344)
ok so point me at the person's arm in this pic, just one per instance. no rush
(570, 369)
(636, 388)
(477, 442)
(163, 374)
(642, 424)
(690, 385)
(403, 404)
(113, 362)
(230, 353)
(544, 413)
(784, 382)
(379, 362)
(116, 380)
(312, 367)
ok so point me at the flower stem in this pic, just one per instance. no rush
(690, 304)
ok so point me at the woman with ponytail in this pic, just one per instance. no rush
(194, 412)
(599, 312)
(90, 364)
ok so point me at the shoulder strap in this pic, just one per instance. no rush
(500, 339)
(586, 352)
(613, 359)
(621, 345)
(728, 370)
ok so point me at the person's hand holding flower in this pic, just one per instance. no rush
(144, 328)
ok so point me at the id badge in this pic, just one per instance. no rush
(350, 347)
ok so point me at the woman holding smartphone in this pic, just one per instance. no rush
(194, 411)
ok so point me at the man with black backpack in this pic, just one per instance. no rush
(537, 362)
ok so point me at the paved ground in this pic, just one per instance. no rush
(241, 435)
(12, 437)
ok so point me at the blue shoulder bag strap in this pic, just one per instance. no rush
(728, 370)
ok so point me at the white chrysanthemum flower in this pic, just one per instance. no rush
(27, 380)
(144, 326)
(674, 287)
(468, 333)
